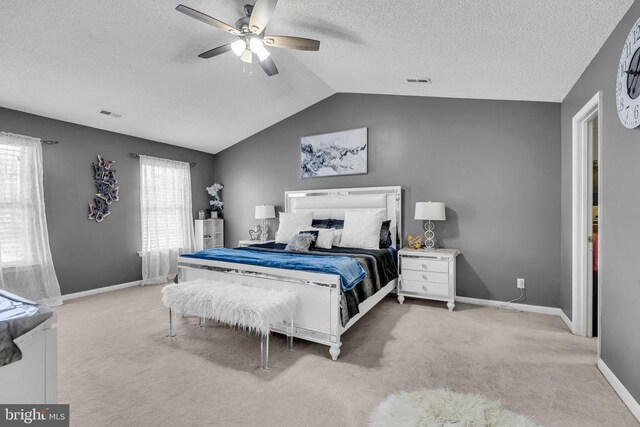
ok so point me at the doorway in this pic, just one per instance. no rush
(593, 136)
(586, 222)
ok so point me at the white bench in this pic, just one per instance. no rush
(250, 308)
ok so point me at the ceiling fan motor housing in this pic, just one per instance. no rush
(242, 25)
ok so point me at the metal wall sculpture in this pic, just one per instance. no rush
(105, 178)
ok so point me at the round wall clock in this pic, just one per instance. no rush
(628, 80)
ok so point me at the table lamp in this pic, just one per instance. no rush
(430, 211)
(265, 212)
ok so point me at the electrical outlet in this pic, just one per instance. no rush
(520, 283)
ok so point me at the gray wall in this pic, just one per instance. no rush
(495, 164)
(88, 255)
(620, 211)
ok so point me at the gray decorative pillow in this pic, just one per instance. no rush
(300, 242)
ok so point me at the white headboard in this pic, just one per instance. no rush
(333, 203)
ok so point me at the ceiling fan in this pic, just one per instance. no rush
(252, 40)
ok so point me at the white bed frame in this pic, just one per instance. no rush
(317, 317)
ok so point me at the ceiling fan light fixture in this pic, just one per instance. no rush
(246, 56)
(238, 47)
(256, 45)
(263, 54)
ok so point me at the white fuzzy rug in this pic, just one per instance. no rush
(440, 408)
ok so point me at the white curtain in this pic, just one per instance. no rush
(167, 217)
(26, 267)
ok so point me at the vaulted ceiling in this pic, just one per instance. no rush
(70, 59)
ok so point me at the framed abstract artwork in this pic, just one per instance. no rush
(333, 154)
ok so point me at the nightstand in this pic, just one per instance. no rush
(428, 274)
(245, 243)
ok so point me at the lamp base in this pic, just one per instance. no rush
(264, 231)
(429, 235)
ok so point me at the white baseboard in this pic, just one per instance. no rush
(622, 391)
(100, 290)
(566, 321)
(522, 307)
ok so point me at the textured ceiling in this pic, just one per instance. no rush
(70, 59)
(532, 50)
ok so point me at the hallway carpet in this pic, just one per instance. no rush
(118, 368)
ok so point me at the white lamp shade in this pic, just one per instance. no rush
(433, 211)
(265, 212)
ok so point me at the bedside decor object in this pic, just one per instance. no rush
(430, 211)
(415, 242)
(255, 233)
(217, 205)
(201, 214)
(428, 274)
(628, 80)
(265, 212)
(337, 153)
(105, 179)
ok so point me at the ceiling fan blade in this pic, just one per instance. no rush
(202, 17)
(261, 14)
(215, 51)
(268, 66)
(287, 42)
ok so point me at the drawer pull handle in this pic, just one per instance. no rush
(424, 266)
(424, 288)
(424, 276)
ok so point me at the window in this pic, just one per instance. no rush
(16, 209)
(165, 200)
(26, 266)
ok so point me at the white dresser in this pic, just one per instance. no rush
(428, 274)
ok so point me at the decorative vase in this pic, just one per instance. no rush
(214, 214)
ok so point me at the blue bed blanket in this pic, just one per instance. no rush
(349, 270)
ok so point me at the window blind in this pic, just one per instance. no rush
(16, 211)
(165, 202)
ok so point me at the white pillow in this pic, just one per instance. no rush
(362, 228)
(290, 223)
(325, 236)
(337, 237)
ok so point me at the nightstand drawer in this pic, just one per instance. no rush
(438, 289)
(423, 264)
(425, 276)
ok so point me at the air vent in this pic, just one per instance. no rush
(423, 80)
(110, 113)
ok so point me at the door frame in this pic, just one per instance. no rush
(581, 215)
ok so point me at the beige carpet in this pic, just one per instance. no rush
(118, 368)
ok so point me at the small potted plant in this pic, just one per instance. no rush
(217, 205)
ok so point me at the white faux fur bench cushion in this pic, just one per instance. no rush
(235, 304)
